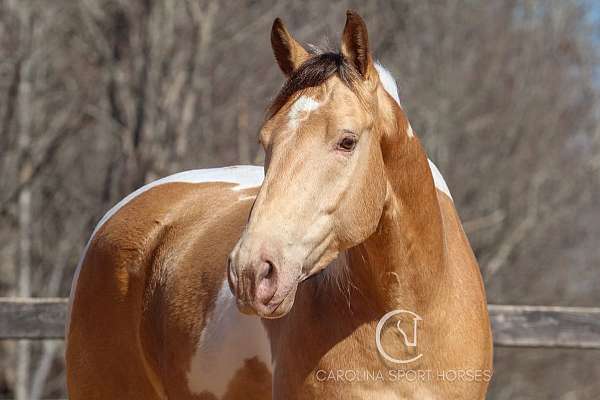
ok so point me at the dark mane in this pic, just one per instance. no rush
(314, 72)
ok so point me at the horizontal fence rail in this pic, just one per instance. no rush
(32, 318)
(544, 326)
(513, 326)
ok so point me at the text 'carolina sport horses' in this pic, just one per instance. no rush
(342, 273)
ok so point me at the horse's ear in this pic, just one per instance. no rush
(355, 43)
(288, 52)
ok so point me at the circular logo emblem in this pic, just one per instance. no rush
(409, 339)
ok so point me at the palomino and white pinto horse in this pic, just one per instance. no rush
(350, 223)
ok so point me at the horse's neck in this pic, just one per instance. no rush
(401, 266)
(402, 263)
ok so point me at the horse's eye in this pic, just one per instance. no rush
(348, 143)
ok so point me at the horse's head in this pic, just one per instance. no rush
(325, 185)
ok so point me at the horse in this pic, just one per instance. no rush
(338, 270)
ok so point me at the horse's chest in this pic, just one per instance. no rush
(233, 351)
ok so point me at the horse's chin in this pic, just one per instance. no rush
(279, 308)
(284, 304)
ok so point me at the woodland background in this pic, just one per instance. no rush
(99, 96)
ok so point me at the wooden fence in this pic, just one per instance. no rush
(513, 326)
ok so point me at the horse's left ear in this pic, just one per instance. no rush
(355, 43)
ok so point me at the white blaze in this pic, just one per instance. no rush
(301, 109)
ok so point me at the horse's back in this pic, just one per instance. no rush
(151, 311)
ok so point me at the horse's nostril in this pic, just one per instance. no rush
(266, 282)
(269, 273)
(266, 270)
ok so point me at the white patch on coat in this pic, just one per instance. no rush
(409, 131)
(244, 176)
(301, 109)
(247, 198)
(228, 339)
(438, 179)
(389, 85)
(388, 82)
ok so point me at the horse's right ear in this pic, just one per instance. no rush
(288, 52)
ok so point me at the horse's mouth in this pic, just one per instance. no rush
(281, 307)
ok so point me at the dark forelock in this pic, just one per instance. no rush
(312, 73)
